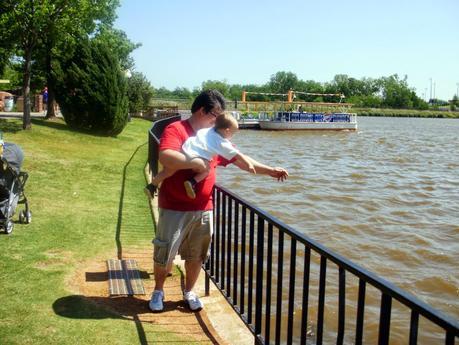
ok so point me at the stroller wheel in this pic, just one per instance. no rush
(9, 227)
(28, 217)
(25, 217)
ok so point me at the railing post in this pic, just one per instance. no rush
(304, 314)
(207, 280)
(320, 312)
(291, 291)
(250, 287)
(259, 288)
(384, 320)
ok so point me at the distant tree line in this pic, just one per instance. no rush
(73, 48)
(384, 92)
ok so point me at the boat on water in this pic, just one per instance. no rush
(308, 115)
(288, 120)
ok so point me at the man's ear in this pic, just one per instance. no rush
(201, 110)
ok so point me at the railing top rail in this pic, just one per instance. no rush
(443, 320)
(157, 122)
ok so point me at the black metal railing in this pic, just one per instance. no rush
(289, 289)
(154, 134)
(275, 298)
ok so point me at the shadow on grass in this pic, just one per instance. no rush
(124, 308)
(82, 307)
(10, 126)
(60, 124)
(54, 124)
(119, 245)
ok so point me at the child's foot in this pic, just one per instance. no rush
(189, 187)
(150, 190)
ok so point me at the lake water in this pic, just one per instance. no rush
(385, 196)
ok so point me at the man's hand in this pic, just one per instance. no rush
(280, 173)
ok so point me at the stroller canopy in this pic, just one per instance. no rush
(13, 154)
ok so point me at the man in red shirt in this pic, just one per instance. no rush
(184, 224)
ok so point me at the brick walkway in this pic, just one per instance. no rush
(91, 282)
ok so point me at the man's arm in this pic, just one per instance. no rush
(280, 173)
(176, 160)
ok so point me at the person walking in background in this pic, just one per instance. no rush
(185, 224)
(45, 99)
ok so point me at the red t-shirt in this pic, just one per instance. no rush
(172, 194)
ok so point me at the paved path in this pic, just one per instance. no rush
(19, 115)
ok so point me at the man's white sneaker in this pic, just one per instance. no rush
(193, 301)
(156, 302)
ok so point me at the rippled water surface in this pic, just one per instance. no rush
(386, 197)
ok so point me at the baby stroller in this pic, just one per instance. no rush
(12, 182)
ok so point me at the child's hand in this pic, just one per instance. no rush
(252, 169)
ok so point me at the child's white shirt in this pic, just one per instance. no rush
(207, 143)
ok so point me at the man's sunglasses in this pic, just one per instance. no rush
(214, 114)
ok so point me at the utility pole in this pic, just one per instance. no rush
(430, 89)
(425, 94)
(457, 89)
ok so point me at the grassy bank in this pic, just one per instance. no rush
(405, 113)
(85, 193)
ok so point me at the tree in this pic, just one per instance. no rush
(91, 89)
(78, 19)
(396, 93)
(221, 86)
(23, 21)
(33, 25)
(119, 43)
(139, 92)
(282, 82)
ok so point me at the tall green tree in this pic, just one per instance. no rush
(64, 28)
(118, 42)
(91, 89)
(221, 86)
(281, 82)
(396, 92)
(34, 25)
(23, 21)
(139, 92)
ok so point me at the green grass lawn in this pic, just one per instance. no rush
(86, 196)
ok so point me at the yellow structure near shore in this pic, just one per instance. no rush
(290, 104)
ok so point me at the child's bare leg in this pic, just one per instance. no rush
(151, 188)
(200, 176)
(162, 175)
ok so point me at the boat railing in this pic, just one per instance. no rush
(289, 116)
(288, 288)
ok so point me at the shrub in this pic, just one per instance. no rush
(91, 90)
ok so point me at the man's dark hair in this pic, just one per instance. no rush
(208, 99)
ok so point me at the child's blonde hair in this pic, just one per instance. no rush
(225, 121)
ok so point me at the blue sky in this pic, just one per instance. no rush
(245, 42)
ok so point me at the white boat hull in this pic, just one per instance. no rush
(293, 125)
